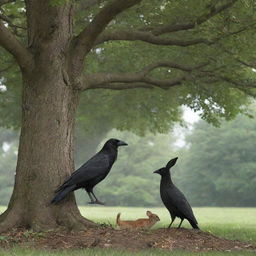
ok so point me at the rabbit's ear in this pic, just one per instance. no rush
(171, 163)
(149, 213)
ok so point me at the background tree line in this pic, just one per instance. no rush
(216, 167)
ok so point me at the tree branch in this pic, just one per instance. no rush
(9, 21)
(122, 86)
(7, 68)
(9, 42)
(147, 37)
(239, 60)
(165, 83)
(239, 83)
(89, 4)
(135, 82)
(213, 11)
(170, 64)
(151, 35)
(138, 79)
(150, 84)
(85, 40)
(3, 2)
(244, 86)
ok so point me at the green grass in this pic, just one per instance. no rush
(111, 252)
(231, 223)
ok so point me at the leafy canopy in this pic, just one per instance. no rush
(218, 89)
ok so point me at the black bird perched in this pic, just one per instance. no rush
(91, 173)
(173, 199)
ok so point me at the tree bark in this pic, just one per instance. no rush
(49, 102)
(45, 157)
(51, 67)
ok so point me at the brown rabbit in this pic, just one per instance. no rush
(139, 223)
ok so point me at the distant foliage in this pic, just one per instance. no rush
(131, 180)
(7, 164)
(219, 167)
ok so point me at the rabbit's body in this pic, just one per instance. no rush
(139, 223)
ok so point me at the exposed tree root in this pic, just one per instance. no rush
(64, 220)
(74, 221)
(10, 219)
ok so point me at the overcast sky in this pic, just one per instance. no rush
(179, 132)
(190, 116)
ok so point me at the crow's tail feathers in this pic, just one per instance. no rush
(62, 194)
(62, 187)
(193, 224)
(118, 219)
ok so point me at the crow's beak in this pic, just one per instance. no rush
(121, 143)
(157, 171)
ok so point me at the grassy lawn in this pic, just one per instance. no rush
(231, 223)
(110, 252)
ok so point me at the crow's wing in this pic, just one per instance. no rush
(180, 202)
(98, 165)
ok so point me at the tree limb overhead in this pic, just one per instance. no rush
(9, 42)
(2, 2)
(239, 83)
(7, 68)
(85, 40)
(148, 37)
(152, 35)
(213, 11)
(137, 79)
(9, 21)
(131, 35)
(87, 4)
(149, 83)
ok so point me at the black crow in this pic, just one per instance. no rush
(173, 199)
(91, 173)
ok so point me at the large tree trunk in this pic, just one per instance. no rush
(45, 154)
(49, 103)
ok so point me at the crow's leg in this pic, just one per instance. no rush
(173, 218)
(92, 201)
(180, 223)
(97, 200)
